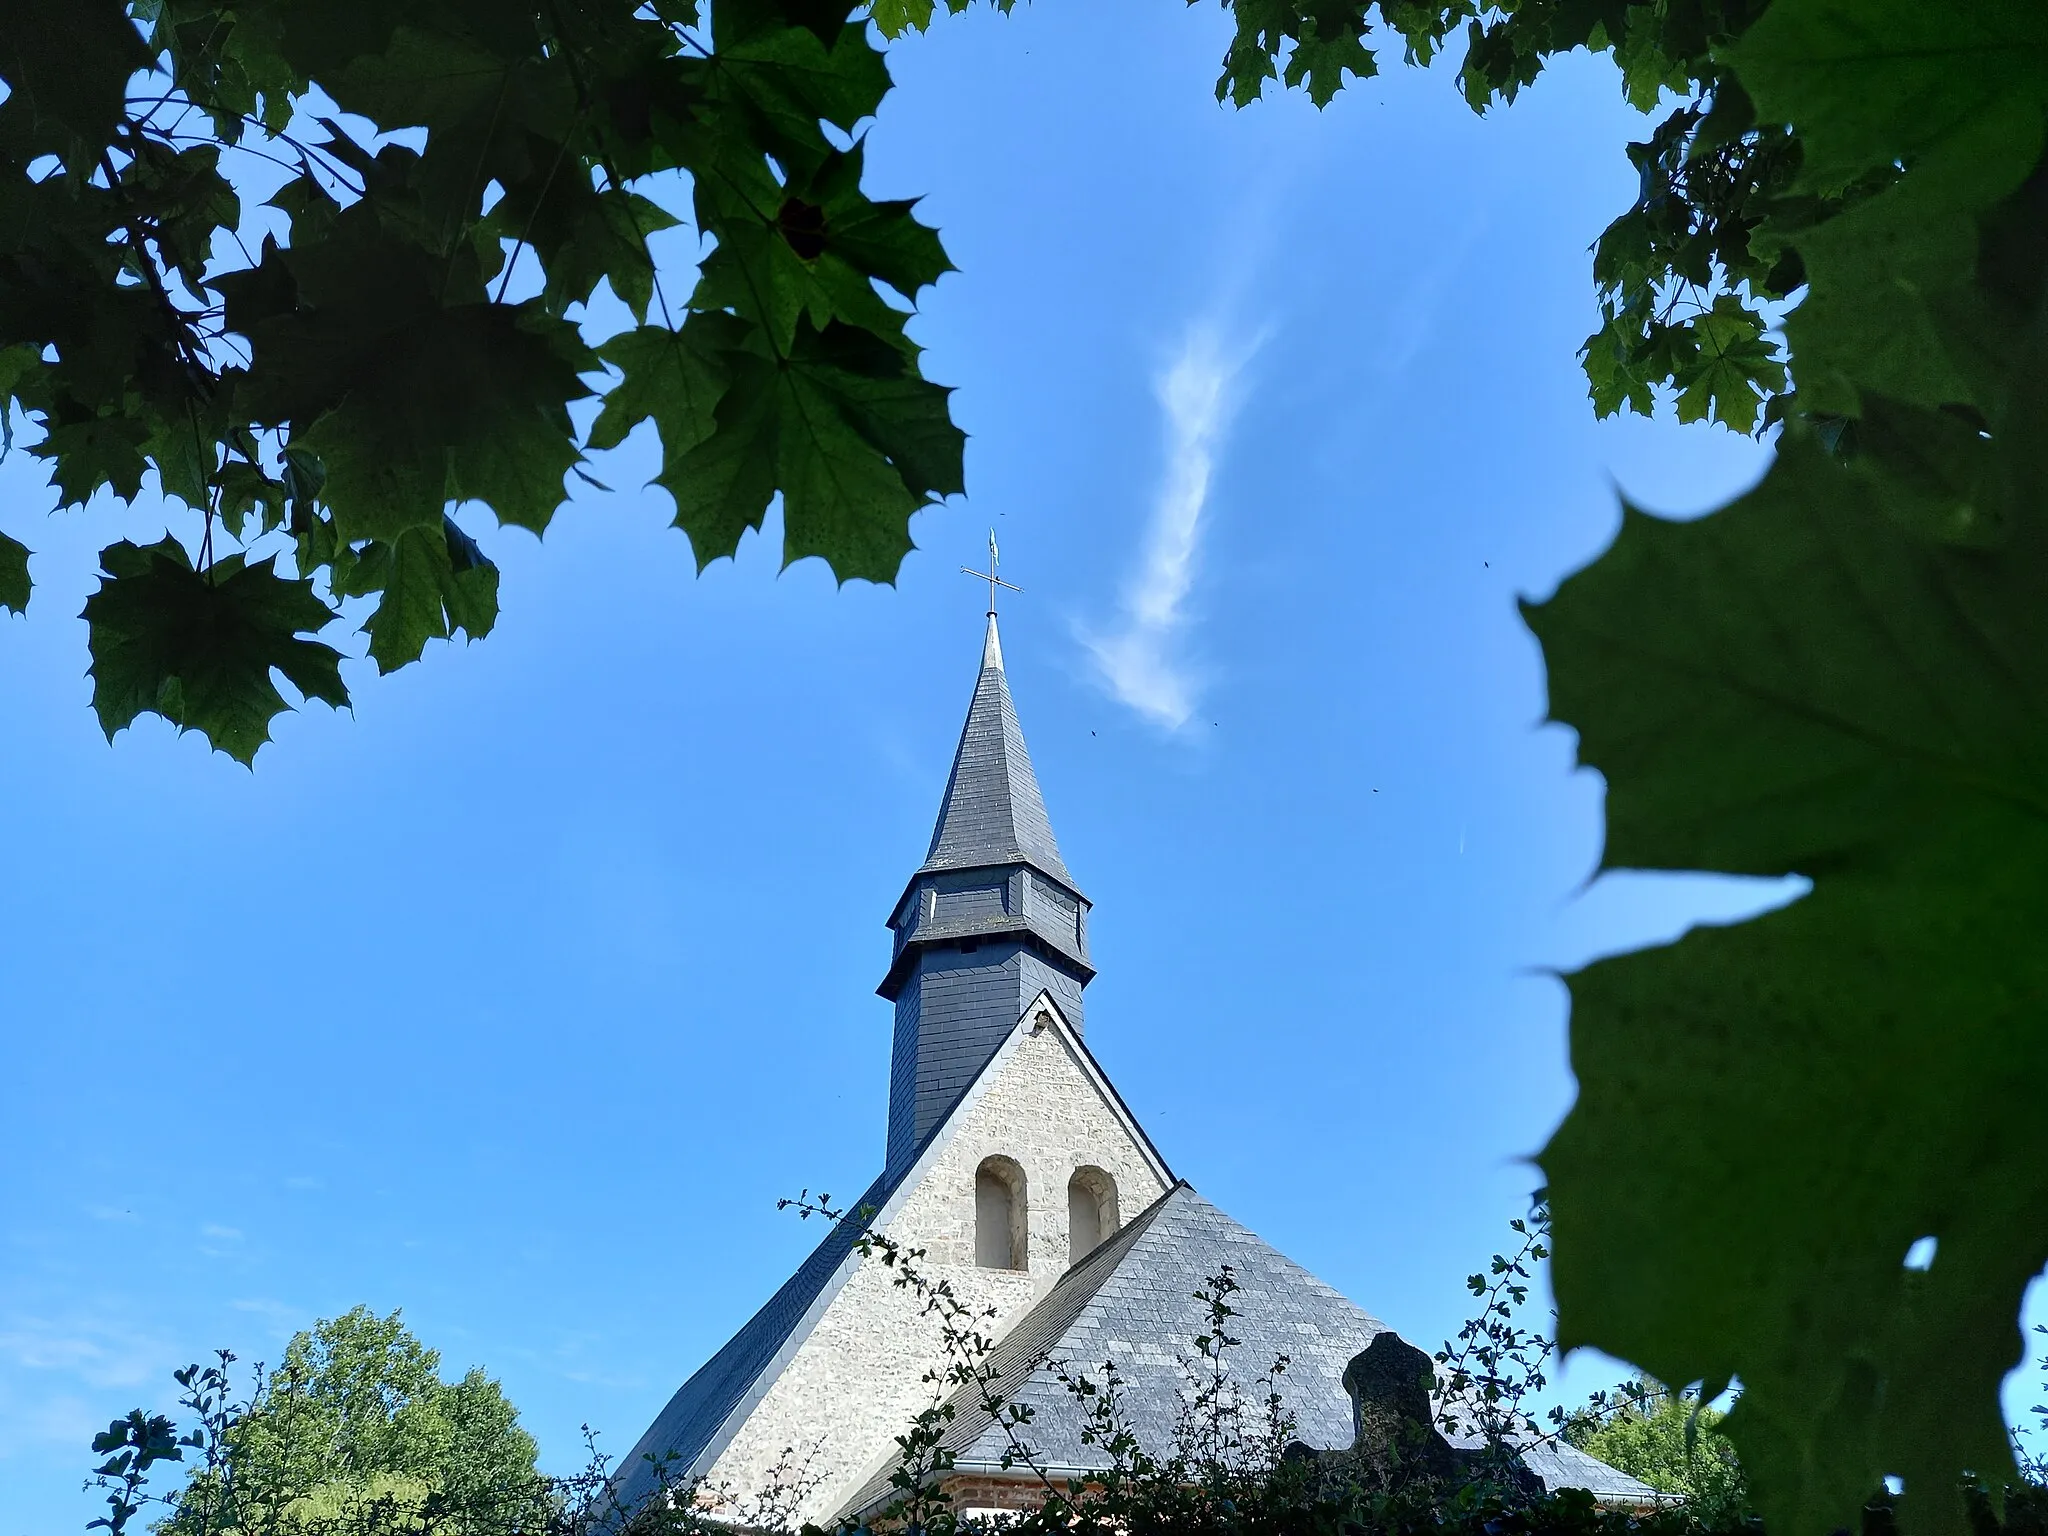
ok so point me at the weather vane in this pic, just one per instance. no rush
(990, 575)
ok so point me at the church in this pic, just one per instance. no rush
(1032, 1189)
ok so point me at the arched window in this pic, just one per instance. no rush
(1092, 1216)
(1001, 1215)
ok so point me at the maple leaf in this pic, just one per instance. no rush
(674, 378)
(365, 371)
(776, 78)
(1614, 371)
(1839, 676)
(813, 247)
(412, 389)
(199, 648)
(434, 583)
(854, 439)
(1874, 82)
(1731, 370)
(1774, 1112)
(14, 579)
(1323, 62)
(99, 451)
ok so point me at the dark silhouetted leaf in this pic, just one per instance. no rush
(199, 648)
(14, 580)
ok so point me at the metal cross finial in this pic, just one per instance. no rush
(990, 575)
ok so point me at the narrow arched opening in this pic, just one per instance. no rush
(1001, 1215)
(1092, 1215)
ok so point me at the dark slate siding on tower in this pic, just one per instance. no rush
(1055, 913)
(951, 1018)
(1036, 976)
(902, 1137)
(945, 908)
(983, 899)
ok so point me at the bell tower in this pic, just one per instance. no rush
(989, 920)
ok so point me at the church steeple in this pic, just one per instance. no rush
(987, 922)
(993, 812)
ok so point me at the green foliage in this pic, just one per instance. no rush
(356, 1435)
(1802, 684)
(1672, 1441)
(324, 374)
(199, 647)
(14, 579)
(356, 1427)
(1685, 286)
(1839, 676)
(1688, 285)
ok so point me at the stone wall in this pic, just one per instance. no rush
(855, 1382)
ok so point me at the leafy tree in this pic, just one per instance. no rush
(1840, 676)
(357, 1417)
(1671, 1441)
(319, 270)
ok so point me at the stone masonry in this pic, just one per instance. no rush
(857, 1379)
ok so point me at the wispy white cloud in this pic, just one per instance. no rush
(58, 1373)
(98, 1350)
(1142, 661)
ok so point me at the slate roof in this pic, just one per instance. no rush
(1132, 1302)
(688, 1435)
(993, 812)
(1566, 1466)
(708, 1409)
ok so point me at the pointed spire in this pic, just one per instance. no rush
(993, 812)
(989, 922)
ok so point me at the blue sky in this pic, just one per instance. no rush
(516, 997)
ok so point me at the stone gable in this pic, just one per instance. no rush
(854, 1381)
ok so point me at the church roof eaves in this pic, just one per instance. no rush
(1133, 1298)
(708, 1409)
(950, 931)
